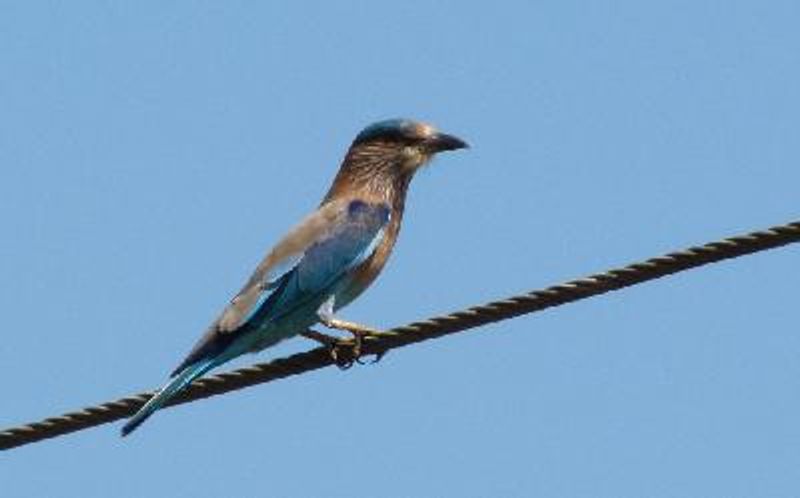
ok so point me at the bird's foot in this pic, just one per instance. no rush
(334, 345)
(345, 352)
(359, 332)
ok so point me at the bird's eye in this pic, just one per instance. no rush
(413, 140)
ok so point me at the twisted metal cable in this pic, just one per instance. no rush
(476, 316)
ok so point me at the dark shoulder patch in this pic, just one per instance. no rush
(375, 212)
(355, 207)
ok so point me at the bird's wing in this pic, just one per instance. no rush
(322, 248)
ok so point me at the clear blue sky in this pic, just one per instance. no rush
(151, 152)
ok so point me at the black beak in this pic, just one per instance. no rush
(441, 142)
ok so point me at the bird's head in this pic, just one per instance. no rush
(385, 155)
(406, 143)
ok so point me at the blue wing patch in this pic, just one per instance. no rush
(351, 242)
(323, 248)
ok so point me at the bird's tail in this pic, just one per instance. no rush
(173, 387)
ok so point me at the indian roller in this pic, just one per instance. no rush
(325, 262)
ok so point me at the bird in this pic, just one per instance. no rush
(323, 263)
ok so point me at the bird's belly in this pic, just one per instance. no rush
(298, 320)
(277, 329)
(288, 326)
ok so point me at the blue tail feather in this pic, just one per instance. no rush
(173, 387)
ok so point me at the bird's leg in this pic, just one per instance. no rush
(332, 343)
(358, 331)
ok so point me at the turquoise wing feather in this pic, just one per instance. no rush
(320, 251)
